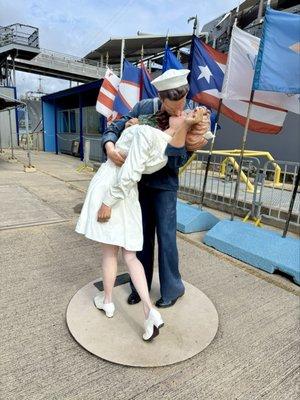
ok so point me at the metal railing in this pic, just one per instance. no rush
(268, 202)
(56, 55)
(56, 60)
(19, 34)
(220, 184)
(69, 143)
(272, 202)
(35, 140)
(248, 153)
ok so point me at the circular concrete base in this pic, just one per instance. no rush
(190, 326)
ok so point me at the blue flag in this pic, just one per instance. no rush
(148, 91)
(278, 61)
(129, 89)
(170, 60)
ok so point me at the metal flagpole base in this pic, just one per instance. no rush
(84, 167)
(12, 159)
(29, 168)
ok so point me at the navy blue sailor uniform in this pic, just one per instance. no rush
(158, 197)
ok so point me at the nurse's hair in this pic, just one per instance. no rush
(174, 94)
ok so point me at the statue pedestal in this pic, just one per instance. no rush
(190, 326)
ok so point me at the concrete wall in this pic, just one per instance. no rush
(283, 146)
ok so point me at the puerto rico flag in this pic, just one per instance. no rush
(207, 67)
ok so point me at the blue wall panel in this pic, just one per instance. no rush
(49, 126)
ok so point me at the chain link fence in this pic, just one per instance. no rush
(69, 143)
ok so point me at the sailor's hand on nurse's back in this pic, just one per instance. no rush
(194, 117)
(132, 121)
(202, 126)
(104, 213)
(114, 155)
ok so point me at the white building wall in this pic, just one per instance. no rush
(5, 140)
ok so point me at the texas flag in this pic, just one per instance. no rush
(207, 67)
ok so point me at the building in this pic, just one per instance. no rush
(8, 120)
(71, 121)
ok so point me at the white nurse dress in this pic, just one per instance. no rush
(117, 187)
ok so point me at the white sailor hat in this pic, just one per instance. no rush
(171, 79)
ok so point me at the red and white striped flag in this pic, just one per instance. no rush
(107, 94)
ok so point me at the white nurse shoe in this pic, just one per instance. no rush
(152, 325)
(108, 308)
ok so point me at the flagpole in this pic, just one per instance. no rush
(122, 57)
(215, 132)
(167, 39)
(195, 26)
(209, 155)
(244, 138)
(210, 150)
(260, 10)
(141, 74)
(237, 186)
(166, 45)
(292, 204)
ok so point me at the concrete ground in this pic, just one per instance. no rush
(254, 355)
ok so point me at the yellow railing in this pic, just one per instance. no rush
(184, 167)
(244, 178)
(251, 153)
(257, 221)
(229, 157)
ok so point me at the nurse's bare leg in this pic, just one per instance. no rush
(138, 277)
(109, 268)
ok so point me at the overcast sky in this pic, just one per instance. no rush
(78, 26)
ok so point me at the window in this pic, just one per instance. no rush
(68, 121)
(91, 121)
